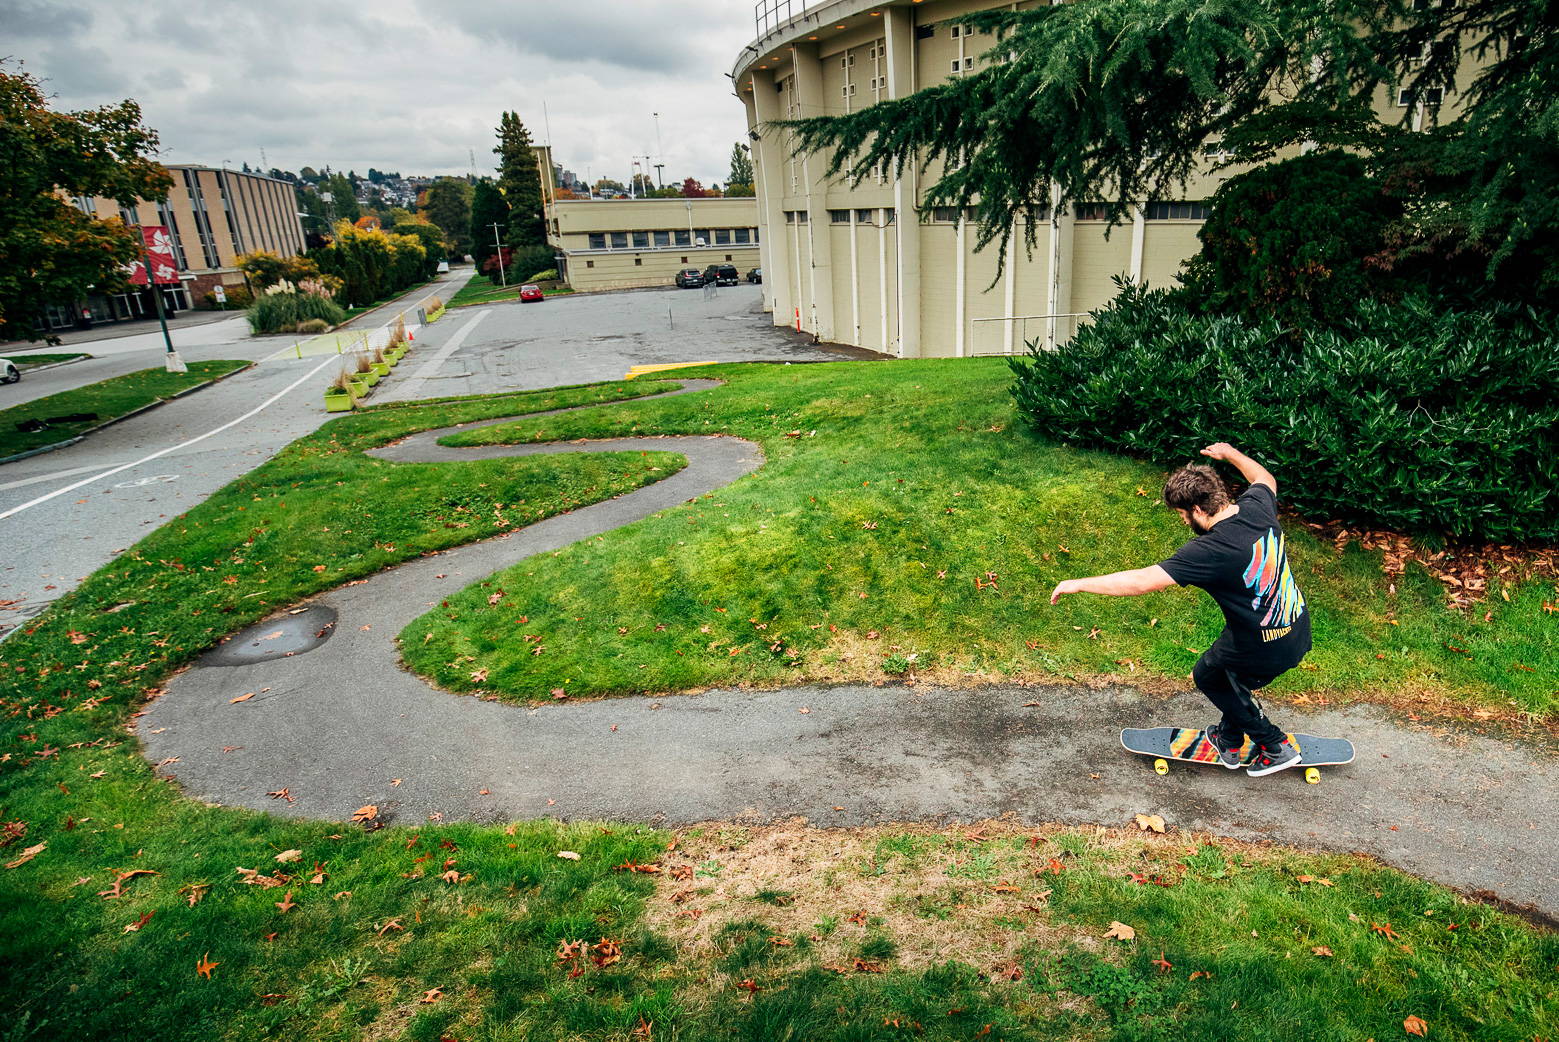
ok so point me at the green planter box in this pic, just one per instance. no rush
(360, 388)
(338, 402)
(370, 378)
(382, 368)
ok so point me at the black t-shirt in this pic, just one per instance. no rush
(1243, 563)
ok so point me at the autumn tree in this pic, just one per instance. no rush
(692, 189)
(53, 251)
(1117, 100)
(519, 181)
(449, 209)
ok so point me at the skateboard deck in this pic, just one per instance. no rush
(1191, 745)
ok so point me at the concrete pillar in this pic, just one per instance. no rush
(761, 191)
(1139, 234)
(769, 159)
(900, 34)
(1058, 292)
(818, 280)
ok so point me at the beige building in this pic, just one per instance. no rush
(868, 266)
(212, 215)
(624, 243)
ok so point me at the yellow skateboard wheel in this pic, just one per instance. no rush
(1312, 775)
(1160, 766)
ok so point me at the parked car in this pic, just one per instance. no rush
(755, 275)
(530, 291)
(9, 374)
(722, 275)
(690, 278)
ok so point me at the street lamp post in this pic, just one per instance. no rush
(171, 360)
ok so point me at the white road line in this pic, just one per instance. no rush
(46, 477)
(171, 448)
(411, 387)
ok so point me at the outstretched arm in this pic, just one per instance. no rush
(1116, 584)
(1253, 473)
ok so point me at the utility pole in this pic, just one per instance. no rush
(660, 152)
(503, 278)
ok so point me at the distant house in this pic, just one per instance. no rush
(368, 223)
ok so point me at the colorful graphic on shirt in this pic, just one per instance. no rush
(1268, 578)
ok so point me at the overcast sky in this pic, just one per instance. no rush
(398, 84)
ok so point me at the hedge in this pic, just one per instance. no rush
(1406, 416)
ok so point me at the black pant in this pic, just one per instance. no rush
(1232, 690)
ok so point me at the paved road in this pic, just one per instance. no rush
(337, 722)
(50, 547)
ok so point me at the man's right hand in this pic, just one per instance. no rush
(1222, 450)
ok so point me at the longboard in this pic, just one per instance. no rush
(1191, 745)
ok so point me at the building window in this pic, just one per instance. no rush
(723, 236)
(802, 217)
(589, 263)
(1090, 211)
(742, 235)
(641, 240)
(1431, 96)
(702, 233)
(727, 256)
(890, 216)
(662, 238)
(1177, 211)
(684, 260)
(619, 240)
(865, 217)
(838, 216)
(598, 240)
(790, 217)
(684, 238)
(638, 261)
(925, 32)
(945, 214)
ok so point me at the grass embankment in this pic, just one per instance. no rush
(903, 513)
(116, 892)
(104, 400)
(354, 312)
(480, 290)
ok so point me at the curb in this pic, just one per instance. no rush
(55, 365)
(120, 419)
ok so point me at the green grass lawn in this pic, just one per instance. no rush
(116, 891)
(354, 312)
(105, 400)
(480, 290)
(904, 501)
(30, 361)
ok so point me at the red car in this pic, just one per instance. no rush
(529, 292)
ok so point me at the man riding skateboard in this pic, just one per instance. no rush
(1240, 558)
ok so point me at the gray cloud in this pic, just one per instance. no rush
(402, 85)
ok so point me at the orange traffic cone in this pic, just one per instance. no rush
(410, 336)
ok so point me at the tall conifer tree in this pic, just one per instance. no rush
(519, 179)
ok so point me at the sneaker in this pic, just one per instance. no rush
(1228, 748)
(1267, 761)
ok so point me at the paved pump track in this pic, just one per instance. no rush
(336, 723)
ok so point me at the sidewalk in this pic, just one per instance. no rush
(118, 330)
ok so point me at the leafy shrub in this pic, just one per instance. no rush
(1293, 240)
(237, 297)
(522, 261)
(544, 276)
(313, 325)
(1409, 416)
(284, 307)
(371, 264)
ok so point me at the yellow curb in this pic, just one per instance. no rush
(641, 370)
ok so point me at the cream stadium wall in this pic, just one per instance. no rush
(901, 281)
(628, 243)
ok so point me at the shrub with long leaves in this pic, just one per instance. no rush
(1407, 416)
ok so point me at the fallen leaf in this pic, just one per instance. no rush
(1163, 964)
(120, 879)
(204, 967)
(289, 855)
(365, 813)
(1150, 821)
(1321, 950)
(1200, 973)
(431, 996)
(240, 698)
(27, 855)
(1121, 932)
(1415, 1026)
(287, 904)
(145, 918)
(393, 924)
(569, 854)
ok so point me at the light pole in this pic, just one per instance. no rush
(660, 152)
(503, 277)
(171, 360)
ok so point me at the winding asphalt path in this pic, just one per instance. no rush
(340, 723)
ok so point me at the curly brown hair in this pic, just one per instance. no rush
(1196, 485)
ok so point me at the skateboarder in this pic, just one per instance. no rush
(1239, 557)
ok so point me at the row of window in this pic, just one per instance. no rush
(1185, 210)
(673, 237)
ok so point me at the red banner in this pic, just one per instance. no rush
(159, 247)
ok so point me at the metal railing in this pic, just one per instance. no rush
(989, 336)
(771, 14)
